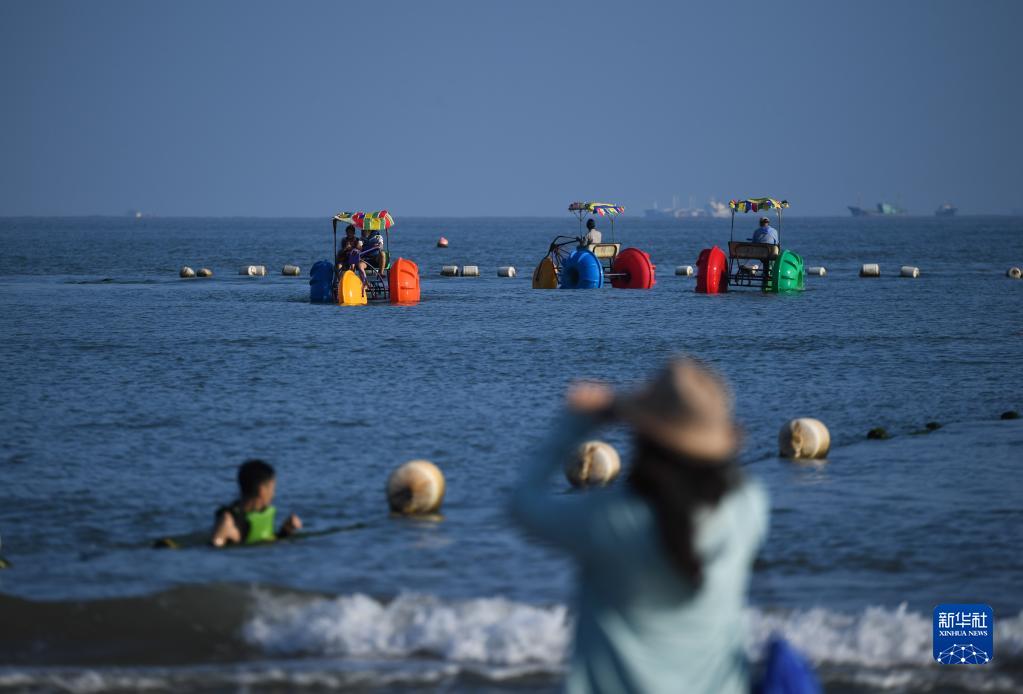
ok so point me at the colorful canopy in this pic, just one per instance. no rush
(371, 221)
(757, 204)
(600, 208)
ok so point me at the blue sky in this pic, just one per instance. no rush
(505, 108)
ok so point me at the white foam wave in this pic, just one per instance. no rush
(876, 637)
(491, 631)
(503, 633)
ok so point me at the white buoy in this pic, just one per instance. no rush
(291, 270)
(804, 438)
(506, 271)
(684, 271)
(442, 242)
(415, 488)
(594, 464)
(909, 271)
(204, 272)
(449, 271)
(1015, 273)
(470, 271)
(253, 270)
(870, 270)
(186, 272)
(817, 271)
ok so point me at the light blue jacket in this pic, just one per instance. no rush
(641, 627)
(766, 234)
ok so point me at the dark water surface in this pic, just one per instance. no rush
(131, 396)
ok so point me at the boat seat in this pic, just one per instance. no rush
(605, 250)
(753, 251)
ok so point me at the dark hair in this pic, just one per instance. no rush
(351, 228)
(252, 475)
(675, 485)
(590, 224)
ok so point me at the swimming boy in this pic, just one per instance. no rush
(251, 519)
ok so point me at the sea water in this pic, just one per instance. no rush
(130, 397)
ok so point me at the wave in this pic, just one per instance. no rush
(210, 637)
(491, 631)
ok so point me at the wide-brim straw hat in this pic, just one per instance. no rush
(686, 408)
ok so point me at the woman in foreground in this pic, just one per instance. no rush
(663, 560)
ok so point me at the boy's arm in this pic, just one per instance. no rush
(291, 526)
(225, 531)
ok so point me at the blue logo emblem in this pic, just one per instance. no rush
(964, 634)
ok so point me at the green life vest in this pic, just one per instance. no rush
(253, 526)
(261, 526)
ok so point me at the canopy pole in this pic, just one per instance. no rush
(731, 233)
(779, 226)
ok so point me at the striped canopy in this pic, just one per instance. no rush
(371, 221)
(757, 204)
(604, 209)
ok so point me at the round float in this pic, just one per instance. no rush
(637, 268)
(581, 270)
(595, 463)
(415, 488)
(804, 438)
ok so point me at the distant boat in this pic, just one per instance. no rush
(946, 209)
(883, 209)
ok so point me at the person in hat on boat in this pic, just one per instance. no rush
(593, 235)
(664, 559)
(765, 233)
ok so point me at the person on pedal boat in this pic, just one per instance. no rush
(250, 519)
(765, 233)
(372, 245)
(593, 235)
(347, 243)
